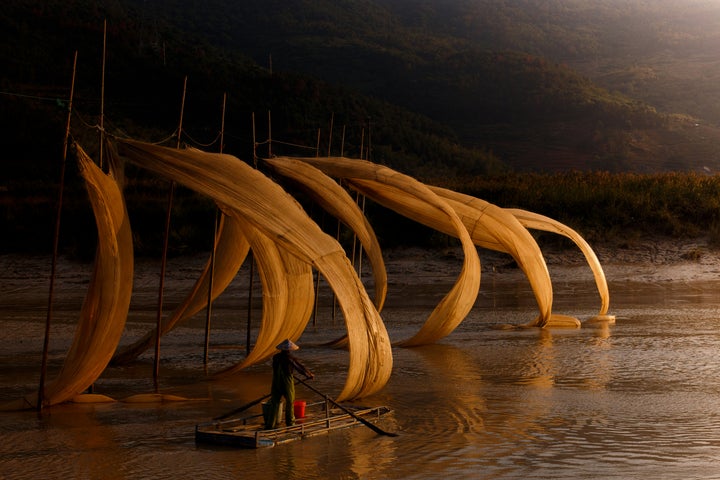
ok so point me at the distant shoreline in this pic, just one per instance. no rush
(653, 260)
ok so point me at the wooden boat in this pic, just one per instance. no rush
(320, 418)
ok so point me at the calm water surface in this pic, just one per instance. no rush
(640, 398)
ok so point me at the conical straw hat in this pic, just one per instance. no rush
(287, 345)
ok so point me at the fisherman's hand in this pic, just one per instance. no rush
(311, 376)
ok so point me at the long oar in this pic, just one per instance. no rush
(242, 409)
(350, 412)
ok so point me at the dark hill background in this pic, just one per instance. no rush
(463, 86)
(445, 89)
(545, 85)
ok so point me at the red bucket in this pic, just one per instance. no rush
(299, 408)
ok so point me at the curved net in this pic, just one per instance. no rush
(267, 207)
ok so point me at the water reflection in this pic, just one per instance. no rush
(364, 459)
(539, 366)
(635, 399)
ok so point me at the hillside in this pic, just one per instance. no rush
(514, 77)
(147, 62)
(454, 85)
(452, 91)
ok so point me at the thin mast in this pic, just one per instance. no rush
(357, 194)
(163, 265)
(269, 135)
(332, 121)
(102, 97)
(362, 206)
(251, 259)
(337, 234)
(254, 141)
(56, 236)
(212, 256)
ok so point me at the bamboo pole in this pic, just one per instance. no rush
(56, 236)
(362, 141)
(360, 249)
(254, 141)
(269, 135)
(212, 256)
(317, 279)
(250, 302)
(339, 226)
(250, 255)
(339, 223)
(210, 288)
(102, 97)
(334, 296)
(332, 121)
(362, 205)
(357, 196)
(163, 263)
(342, 142)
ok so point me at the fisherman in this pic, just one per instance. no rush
(283, 384)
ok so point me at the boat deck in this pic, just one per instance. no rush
(249, 432)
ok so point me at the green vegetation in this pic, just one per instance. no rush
(603, 207)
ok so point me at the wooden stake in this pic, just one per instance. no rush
(269, 135)
(342, 143)
(362, 141)
(250, 255)
(212, 256)
(56, 236)
(254, 141)
(210, 288)
(102, 98)
(317, 295)
(332, 121)
(163, 264)
(250, 303)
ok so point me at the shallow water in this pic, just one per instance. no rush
(638, 398)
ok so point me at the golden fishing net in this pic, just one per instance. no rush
(272, 211)
(413, 199)
(231, 249)
(106, 305)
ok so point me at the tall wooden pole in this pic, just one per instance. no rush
(102, 97)
(362, 206)
(163, 263)
(254, 141)
(56, 237)
(251, 259)
(212, 256)
(269, 135)
(342, 143)
(362, 141)
(332, 121)
(317, 144)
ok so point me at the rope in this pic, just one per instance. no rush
(289, 144)
(119, 132)
(200, 143)
(59, 101)
(85, 122)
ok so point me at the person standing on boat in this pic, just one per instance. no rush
(283, 384)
